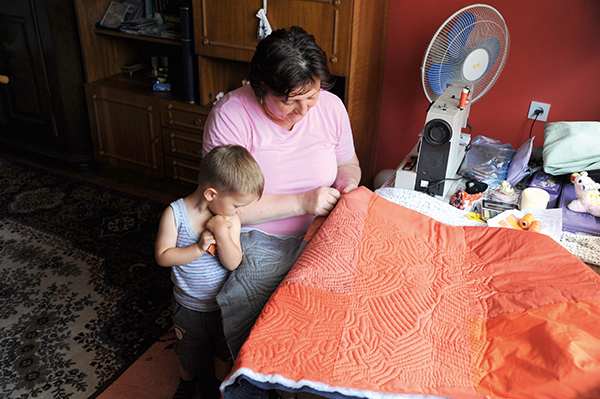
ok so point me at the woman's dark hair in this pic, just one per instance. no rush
(287, 60)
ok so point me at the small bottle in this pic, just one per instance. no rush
(163, 71)
(154, 62)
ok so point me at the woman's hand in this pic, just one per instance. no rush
(320, 201)
(345, 186)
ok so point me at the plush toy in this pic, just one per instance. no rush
(588, 196)
(461, 198)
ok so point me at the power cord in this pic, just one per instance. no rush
(434, 184)
(537, 113)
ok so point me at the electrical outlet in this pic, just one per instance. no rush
(535, 105)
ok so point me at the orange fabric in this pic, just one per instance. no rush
(387, 300)
(549, 352)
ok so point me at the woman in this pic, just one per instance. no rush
(300, 135)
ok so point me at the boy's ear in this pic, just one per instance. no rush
(210, 194)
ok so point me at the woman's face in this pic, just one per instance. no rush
(288, 113)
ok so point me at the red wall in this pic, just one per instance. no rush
(554, 58)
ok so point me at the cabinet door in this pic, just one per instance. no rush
(42, 107)
(183, 127)
(126, 129)
(26, 99)
(182, 170)
(228, 28)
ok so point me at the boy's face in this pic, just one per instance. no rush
(231, 204)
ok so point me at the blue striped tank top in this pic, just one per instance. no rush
(197, 283)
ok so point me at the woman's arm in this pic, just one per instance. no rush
(348, 175)
(317, 202)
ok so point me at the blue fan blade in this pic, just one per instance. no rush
(492, 46)
(439, 75)
(457, 39)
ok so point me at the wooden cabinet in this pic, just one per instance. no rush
(352, 32)
(126, 128)
(228, 28)
(183, 127)
(42, 106)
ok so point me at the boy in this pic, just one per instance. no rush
(229, 179)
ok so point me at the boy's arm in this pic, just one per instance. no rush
(227, 237)
(165, 250)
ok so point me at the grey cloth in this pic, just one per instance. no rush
(266, 261)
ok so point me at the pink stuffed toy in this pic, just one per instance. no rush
(588, 197)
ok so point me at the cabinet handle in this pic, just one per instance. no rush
(171, 122)
(155, 140)
(173, 149)
(94, 96)
(335, 3)
(333, 59)
(199, 122)
(205, 41)
(170, 106)
(171, 135)
(149, 108)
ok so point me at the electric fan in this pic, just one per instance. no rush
(463, 60)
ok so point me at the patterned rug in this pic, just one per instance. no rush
(81, 297)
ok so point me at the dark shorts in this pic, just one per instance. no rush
(200, 337)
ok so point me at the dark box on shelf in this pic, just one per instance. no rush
(576, 222)
(547, 183)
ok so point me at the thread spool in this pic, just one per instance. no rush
(536, 226)
(534, 198)
(463, 98)
(526, 221)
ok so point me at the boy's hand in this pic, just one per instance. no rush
(206, 240)
(218, 224)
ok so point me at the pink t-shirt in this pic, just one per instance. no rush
(292, 161)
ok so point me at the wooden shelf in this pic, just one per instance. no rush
(139, 83)
(224, 36)
(117, 33)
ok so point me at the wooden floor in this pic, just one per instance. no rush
(146, 187)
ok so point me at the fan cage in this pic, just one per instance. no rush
(488, 24)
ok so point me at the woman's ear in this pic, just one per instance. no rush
(210, 194)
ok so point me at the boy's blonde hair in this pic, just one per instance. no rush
(231, 169)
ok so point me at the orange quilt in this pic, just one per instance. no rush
(385, 301)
